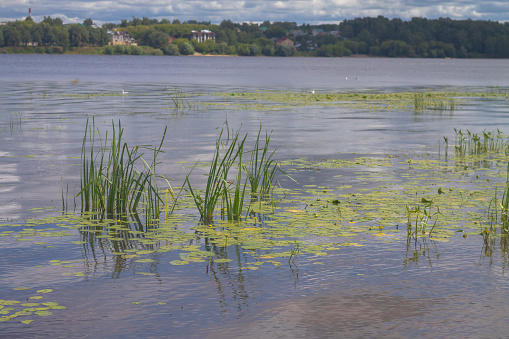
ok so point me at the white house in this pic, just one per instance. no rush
(203, 35)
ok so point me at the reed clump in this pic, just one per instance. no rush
(425, 219)
(229, 177)
(469, 143)
(261, 170)
(433, 101)
(179, 102)
(111, 183)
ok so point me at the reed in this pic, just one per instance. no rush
(225, 155)
(262, 169)
(15, 122)
(433, 101)
(259, 173)
(469, 143)
(425, 218)
(505, 205)
(235, 192)
(110, 182)
(180, 103)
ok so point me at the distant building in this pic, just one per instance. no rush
(311, 45)
(284, 41)
(203, 35)
(171, 39)
(297, 33)
(317, 31)
(121, 38)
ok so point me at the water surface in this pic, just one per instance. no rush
(384, 289)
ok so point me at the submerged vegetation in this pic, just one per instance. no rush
(417, 100)
(430, 100)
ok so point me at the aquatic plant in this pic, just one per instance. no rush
(234, 192)
(180, 103)
(469, 143)
(260, 173)
(433, 100)
(110, 182)
(262, 169)
(225, 155)
(505, 205)
(15, 122)
(423, 219)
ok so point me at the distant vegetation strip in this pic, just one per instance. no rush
(380, 36)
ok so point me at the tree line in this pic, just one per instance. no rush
(380, 36)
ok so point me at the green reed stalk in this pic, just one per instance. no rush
(419, 101)
(262, 168)
(505, 203)
(234, 193)
(110, 182)
(224, 157)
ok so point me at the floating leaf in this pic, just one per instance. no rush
(43, 313)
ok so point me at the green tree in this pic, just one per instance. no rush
(221, 48)
(170, 49)
(243, 49)
(53, 22)
(108, 50)
(88, 22)
(12, 37)
(231, 50)
(206, 47)
(254, 50)
(263, 41)
(153, 38)
(24, 32)
(392, 48)
(285, 51)
(48, 34)
(36, 33)
(135, 50)
(78, 35)
(185, 48)
(62, 37)
(335, 50)
(120, 50)
(275, 31)
(109, 25)
(268, 51)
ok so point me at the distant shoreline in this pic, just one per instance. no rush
(148, 51)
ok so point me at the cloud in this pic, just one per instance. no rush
(313, 11)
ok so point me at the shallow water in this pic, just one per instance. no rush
(388, 288)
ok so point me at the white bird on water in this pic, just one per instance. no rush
(312, 91)
(124, 92)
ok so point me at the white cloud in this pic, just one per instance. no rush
(253, 10)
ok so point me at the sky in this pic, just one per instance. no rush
(299, 11)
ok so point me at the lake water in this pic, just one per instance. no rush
(389, 287)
